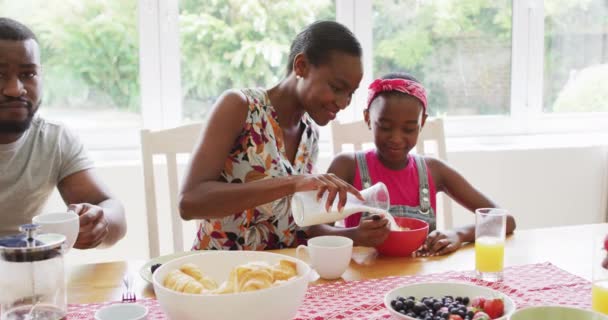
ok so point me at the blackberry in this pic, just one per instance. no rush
(154, 267)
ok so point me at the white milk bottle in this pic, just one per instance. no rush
(307, 210)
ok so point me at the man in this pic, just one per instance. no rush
(37, 155)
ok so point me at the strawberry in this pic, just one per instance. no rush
(478, 302)
(473, 309)
(480, 315)
(495, 308)
(606, 242)
(455, 317)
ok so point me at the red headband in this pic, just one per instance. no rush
(410, 87)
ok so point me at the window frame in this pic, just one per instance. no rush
(526, 115)
(161, 80)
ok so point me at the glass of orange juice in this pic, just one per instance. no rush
(490, 229)
(599, 291)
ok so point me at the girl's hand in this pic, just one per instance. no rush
(372, 232)
(327, 182)
(441, 242)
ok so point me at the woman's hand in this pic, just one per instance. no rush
(371, 232)
(441, 242)
(327, 182)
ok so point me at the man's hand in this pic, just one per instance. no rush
(93, 225)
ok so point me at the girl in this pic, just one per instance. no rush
(396, 112)
(259, 147)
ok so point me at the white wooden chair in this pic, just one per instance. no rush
(170, 143)
(357, 134)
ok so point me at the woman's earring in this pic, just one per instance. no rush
(298, 76)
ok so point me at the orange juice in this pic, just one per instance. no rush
(599, 296)
(489, 254)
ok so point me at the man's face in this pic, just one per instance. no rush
(20, 84)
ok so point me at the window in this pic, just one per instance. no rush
(460, 50)
(576, 56)
(498, 67)
(90, 59)
(236, 44)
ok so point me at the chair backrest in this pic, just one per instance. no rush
(170, 143)
(357, 134)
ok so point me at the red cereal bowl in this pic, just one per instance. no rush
(404, 242)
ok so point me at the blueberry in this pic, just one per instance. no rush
(437, 305)
(419, 307)
(399, 305)
(154, 267)
(458, 299)
(465, 301)
(409, 304)
(470, 314)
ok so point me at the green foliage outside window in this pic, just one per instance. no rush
(91, 48)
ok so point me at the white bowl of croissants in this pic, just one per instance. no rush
(231, 285)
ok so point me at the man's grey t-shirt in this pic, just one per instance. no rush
(31, 167)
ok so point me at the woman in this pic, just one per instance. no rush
(259, 147)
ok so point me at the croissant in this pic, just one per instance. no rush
(189, 279)
(248, 277)
(284, 270)
(178, 281)
(195, 272)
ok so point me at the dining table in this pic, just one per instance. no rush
(567, 247)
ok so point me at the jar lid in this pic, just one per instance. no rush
(30, 246)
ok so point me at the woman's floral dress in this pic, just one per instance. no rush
(259, 153)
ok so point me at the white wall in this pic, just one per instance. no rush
(548, 187)
(541, 187)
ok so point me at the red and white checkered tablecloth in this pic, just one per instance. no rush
(527, 285)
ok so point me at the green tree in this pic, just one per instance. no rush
(89, 50)
(236, 43)
(423, 38)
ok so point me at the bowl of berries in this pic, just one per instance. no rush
(448, 300)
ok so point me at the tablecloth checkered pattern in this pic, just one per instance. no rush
(527, 285)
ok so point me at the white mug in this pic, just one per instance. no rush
(65, 223)
(329, 255)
